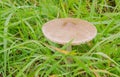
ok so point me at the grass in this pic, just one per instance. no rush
(25, 52)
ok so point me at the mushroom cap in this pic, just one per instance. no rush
(64, 30)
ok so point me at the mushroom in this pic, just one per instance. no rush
(64, 30)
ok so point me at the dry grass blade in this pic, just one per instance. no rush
(56, 49)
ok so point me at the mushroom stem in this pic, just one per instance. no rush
(69, 48)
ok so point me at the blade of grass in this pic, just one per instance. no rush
(5, 42)
(110, 38)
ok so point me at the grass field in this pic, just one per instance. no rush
(25, 52)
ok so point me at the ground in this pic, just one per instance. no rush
(25, 52)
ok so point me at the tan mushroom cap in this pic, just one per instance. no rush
(64, 30)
